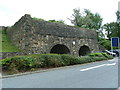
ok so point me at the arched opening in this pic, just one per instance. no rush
(60, 49)
(84, 50)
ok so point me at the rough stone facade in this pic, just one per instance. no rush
(37, 36)
(10, 54)
(1, 27)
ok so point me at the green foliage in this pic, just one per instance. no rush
(53, 21)
(59, 21)
(51, 60)
(6, 44)
(105, 43)
(96, 54)
(69, 60)
(38, 18)
(112, 30)
(100, 56)
(118, 15)
(32, 62)
(86, 19)
(106, 55)
(85, 59)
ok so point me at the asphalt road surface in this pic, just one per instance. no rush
(103, 74)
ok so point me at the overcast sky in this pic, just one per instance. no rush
(12, 10)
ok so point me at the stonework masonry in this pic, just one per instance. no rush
(38, 36)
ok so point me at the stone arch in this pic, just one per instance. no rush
(60, 49)
(84, 50)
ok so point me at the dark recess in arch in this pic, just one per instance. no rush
(84, 50)
(60, 49)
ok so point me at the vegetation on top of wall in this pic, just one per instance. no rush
(53, 21)
(6, 44)
(59, 21)
(38, 18)
(18, 64)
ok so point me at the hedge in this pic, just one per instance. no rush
(33, 62)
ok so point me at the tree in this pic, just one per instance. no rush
(101, 34)
(105, 43)
(118, 15)
(112, 30)
(86, 19)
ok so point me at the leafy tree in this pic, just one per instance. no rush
(112, 30)
(105, 43)
(118, 15)
(86, 19)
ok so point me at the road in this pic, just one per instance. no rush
(103, 74)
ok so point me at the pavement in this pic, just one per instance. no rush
(103, 74)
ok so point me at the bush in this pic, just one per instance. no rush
(105, 55)
(51, 60)
(99, 58)
(32, 62)
(96, 54)
(84, 59)
(21, 63)
(69, 60)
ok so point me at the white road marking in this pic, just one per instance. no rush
(98, 66)
(111, 64)
(111, 60)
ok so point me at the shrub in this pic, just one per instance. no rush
(110, 57)
(69, 60)
(96, 54)
(59, 21)
(21, 63)
(101, 56)
(38, 18)
(51, 60)
(98, 58)
(32, 62)
(105, 55)
(84, 59)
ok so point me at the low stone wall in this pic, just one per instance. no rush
(4, 55)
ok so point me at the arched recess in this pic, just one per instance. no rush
(60, 49)
(84, 50)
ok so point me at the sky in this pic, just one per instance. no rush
(12, 10)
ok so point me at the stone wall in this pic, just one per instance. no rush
(1, 27)
(37, 36)
(10, 54)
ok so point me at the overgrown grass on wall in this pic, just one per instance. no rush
(5, 43)
(18, 64)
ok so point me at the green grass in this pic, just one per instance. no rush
(5, 44)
